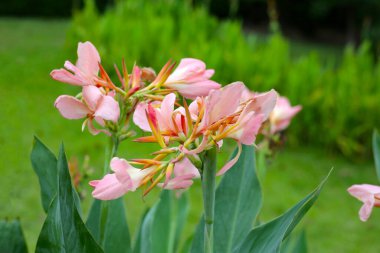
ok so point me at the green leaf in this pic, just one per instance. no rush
(108, 224)
(376, 152)
(182, 211)
(158, 228)
(267, 238)
(295, 244)
(237, 203)
(137, 243)
(64, 230)
(11, 237)
(44, 164)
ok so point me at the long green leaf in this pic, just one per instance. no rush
(295, 244)
(108, 224)
(158, 228)
(237, 203)
(44, 164)
(11, 237)
(268, 237)
(376, 152)
(64, 230)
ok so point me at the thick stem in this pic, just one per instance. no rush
(208, 189)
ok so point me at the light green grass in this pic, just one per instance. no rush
(30, 49)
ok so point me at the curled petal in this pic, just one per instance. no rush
(230, 163)
(196, 89)
(264, 103)
(70, 107)
(62, 75)
(369, 195)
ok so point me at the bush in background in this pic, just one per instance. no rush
(341, 101)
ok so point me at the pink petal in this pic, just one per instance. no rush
(221, 103)
(62, 75)
(230, 163)
(70, 107)
(88, 58)
(185, 167)
(108, 109)
(108, 188)
(92, 96)
(197, 89)
(139, 117)
(265, 103)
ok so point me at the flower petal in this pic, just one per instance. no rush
(139, 117)
(230, 163)
(62, 75)
(70, 107)
(92, 96)
(108, 188)
(88, 58)
(108, 109)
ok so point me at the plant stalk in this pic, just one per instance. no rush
(208, 189)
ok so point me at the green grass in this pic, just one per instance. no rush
(30, 49)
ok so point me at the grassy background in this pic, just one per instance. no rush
(30, 49)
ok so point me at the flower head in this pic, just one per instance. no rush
(94, 105)
(124, 179)
(191, 79)
(86, 69)
(282, 114)
(369, 195)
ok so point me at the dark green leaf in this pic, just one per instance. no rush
(237, 203)
(376, 152)
(267, 238)
(64, 230)
(181, 212)
(44, 164)
(11, 237)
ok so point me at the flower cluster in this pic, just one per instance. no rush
(180, 108)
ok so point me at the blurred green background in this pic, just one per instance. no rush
(321, 54)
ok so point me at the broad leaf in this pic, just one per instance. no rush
(376, 152)
(108, 224)
(64, 230)
(237, 203)
(159, 228)
(137, 242)
(267, 238)
(44, 164)
(11, 237)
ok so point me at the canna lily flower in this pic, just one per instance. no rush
(369, 195)
(124, 179)
(95, 105)
(191, 79)
(282, 114)
(184, 173)
(85, 72)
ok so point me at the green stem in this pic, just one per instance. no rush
(208, 189)
(115, 145)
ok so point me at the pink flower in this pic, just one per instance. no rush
(95, 105)
(184, 173)
(85, 71)
(170, 121)
(191, 79)
(369, 195)
(282, 114)
(126, 178)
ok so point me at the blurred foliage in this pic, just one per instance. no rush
(340, 101)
